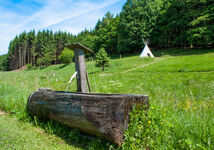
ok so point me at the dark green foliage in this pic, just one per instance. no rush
(137, 21)
(102, 60)
(184, 23)
(46, 59)
(46, 48)
(61, 38)
(66, 56)
(86, 38)
(3, 62)
(106, 32)
(29, 66)
(201, 29)
(41, 49)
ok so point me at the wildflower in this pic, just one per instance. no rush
(164, 114)
(179, 141)
(139, 128)
(149, 122)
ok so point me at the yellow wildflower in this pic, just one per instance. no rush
(164, 114)
(149, 122)
(139, 128)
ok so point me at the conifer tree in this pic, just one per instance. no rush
(102, 60)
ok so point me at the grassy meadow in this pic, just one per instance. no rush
(180, 86)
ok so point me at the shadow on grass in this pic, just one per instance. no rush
(94, 72)
(61, 67)
(31, 69)
(43, 67)
(181, 52)
(124, 55)
(72, 137)
(171, 52)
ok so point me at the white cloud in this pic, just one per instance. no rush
(67, 15)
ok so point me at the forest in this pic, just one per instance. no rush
(166, 24)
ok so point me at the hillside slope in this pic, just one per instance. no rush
(181, 100)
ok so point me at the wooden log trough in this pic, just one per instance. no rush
(103, 115)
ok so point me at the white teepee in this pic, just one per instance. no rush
(146, 51)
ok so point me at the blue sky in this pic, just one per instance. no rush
(72, 16)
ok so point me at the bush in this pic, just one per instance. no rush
(66, 56)
(29, 66)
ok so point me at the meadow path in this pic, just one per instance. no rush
(141, 66)
(144, 65)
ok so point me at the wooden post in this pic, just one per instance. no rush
(81, 68)
(89, 86)
(79, 54)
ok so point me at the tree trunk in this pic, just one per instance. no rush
(24, 62)
(20, 58)
(55, 57)
(103, 115)
(28, 55)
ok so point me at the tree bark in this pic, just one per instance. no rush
(103, 115)
(20, 58)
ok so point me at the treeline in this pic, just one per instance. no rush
(165, 23)
(37, 49)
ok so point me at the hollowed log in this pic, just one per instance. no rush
(103, 115)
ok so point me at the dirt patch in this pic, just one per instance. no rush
(39, 131)
(20, 69)
(2, 113)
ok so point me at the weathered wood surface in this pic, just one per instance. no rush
(81, 68)
(80, 46)
(104, 115)
(89, 85)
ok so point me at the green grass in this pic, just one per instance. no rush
(23, 136)
(180, 89)
(192, 63)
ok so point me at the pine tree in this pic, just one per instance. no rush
(102, 60)
(106, 33)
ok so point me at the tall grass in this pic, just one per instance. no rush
(180, 89)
